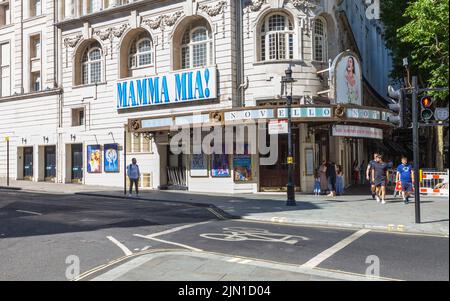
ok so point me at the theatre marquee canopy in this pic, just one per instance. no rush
(332, 114)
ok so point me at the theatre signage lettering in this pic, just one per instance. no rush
(305, 112)
(357, 132)
(363, 114)
(173, 88)
(249, 114)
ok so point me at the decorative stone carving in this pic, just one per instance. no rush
(171, 20)
(109, 32)
(118, 31)
(304, 4)
(154, 24)
(163, 20)
(103, 34)
(213, 10)
(255, 5)
(72, 41)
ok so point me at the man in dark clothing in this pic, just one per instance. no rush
(331, 175)
(380, 175)
(369, 174)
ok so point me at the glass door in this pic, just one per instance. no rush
(50, 163)
(77, 163)
(28, 163)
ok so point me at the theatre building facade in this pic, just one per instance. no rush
(87, 85)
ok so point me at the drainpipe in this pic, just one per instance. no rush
(239, 55)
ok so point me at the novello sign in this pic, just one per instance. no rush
(173, 88)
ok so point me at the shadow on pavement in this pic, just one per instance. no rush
(30, 214)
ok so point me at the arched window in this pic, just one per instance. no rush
(196, 48)
(277, 38)
(320, 49)
(91, 65)
(141, 52)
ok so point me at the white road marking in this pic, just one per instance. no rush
(146, 248)
(169, 242)
(174, 230)
(314, 262)
(120, 245)
(29, 212)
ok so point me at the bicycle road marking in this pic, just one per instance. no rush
(318, 259)
(176, 229)
(243, 234)
(169, 242)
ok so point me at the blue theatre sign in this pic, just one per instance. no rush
(172, 88)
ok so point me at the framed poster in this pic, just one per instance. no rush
(220, 167)
(242, 166)
(94, 159)
(111, 157)
(199, 165)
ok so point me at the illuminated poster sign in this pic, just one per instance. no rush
(177, 87)
(347, 79)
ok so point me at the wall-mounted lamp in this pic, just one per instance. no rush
(24, 141)
(45, 139)
(73, 137)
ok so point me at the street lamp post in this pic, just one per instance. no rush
(287, 83)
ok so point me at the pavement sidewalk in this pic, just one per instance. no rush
(353, 210)
(195, 266)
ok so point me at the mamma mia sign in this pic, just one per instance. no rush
(172, 88)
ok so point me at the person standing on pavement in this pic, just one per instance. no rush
(405, 175)
(331, 175)
(323, 177)
(369, 174)
(339, 180)
(380, 174)
(133, 175)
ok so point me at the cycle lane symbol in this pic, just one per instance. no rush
(235, 234)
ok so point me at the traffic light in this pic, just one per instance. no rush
(398, 107)
(426, 113)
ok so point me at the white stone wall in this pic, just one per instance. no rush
(265, 77)
(28, 117)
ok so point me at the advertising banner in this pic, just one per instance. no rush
(111, 157)
(94, 159)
